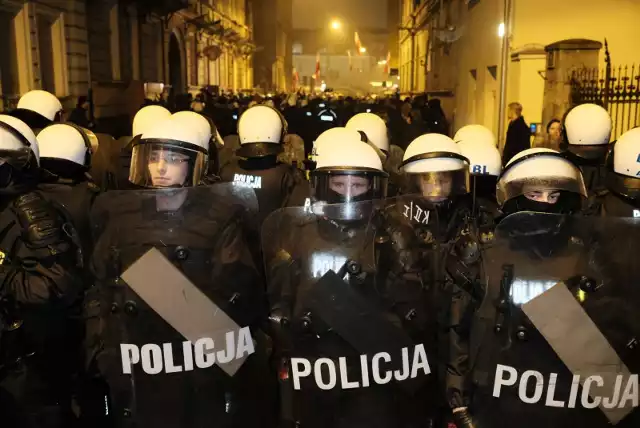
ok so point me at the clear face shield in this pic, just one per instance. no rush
(559, 193)
(340, 189)
(166, 163)
(438, 186)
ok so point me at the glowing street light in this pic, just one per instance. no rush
(501, 30)
(363, 50)
(336, 25)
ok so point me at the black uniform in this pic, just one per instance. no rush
(325, 324)
(172, 266)
(273, 182)
(550, 326)
(40, 306)
(74, 193)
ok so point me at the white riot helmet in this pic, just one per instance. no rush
(18, 144)
(196, 121)
(587, 131)
(476, 134)
(623, 169)
(38, 109)
(435, 168)
(484, 168)
(261, 130)
(375, 129)
(148, 117)
(348, 171)
(537, 171)
(484, 159)
(64, 143)
(169, 155)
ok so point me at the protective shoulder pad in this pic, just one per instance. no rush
(41, 224)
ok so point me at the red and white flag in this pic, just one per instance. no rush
(358, 43)
(296, 79)
(317, 75)
(387, 65)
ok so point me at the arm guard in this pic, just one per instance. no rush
(42, 264)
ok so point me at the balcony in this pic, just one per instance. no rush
(161, 7)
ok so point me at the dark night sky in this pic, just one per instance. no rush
(360, 13)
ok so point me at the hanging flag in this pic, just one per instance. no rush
(317, 75)
(296, 79)
(350, 61)
(387, 65)
(358, 43)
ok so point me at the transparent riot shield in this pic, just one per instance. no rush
(173, 320)
(554, 341)
(348, 330)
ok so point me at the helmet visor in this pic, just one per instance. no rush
(537, 188)
(19, 156)
(440, 185)
(623, 185)
(345, 187)
(156, 164)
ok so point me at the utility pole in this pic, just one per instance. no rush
(504, 67)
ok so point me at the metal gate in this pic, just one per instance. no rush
(615, 88)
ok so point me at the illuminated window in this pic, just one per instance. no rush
(297, 48)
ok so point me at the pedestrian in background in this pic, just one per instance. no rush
(518, 134)
(80, 114)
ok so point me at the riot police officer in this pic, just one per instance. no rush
(65, 159)
(587, 132)
(535, 246)
(622, 181)
(41, 290)
(438, 175)
(262, 130)
(38, 109)
(375, 129)
(177, 293)
(320, 320)
(144, 120)
(485, 167)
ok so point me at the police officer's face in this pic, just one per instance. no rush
(436, 188)
(546, 196)
(349, 185)
(168, 168)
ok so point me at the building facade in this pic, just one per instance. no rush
(116, 49)
(458, 50)
(272, 62)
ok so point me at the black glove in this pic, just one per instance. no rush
(462, 418)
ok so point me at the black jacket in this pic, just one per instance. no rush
(518, 139)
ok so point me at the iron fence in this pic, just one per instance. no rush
(615, 88)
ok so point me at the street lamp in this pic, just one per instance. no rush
(501, 30)
(363, 50)
(335, 24)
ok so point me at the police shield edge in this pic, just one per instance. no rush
(337, 338)
(178, 303)
(556, 334)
